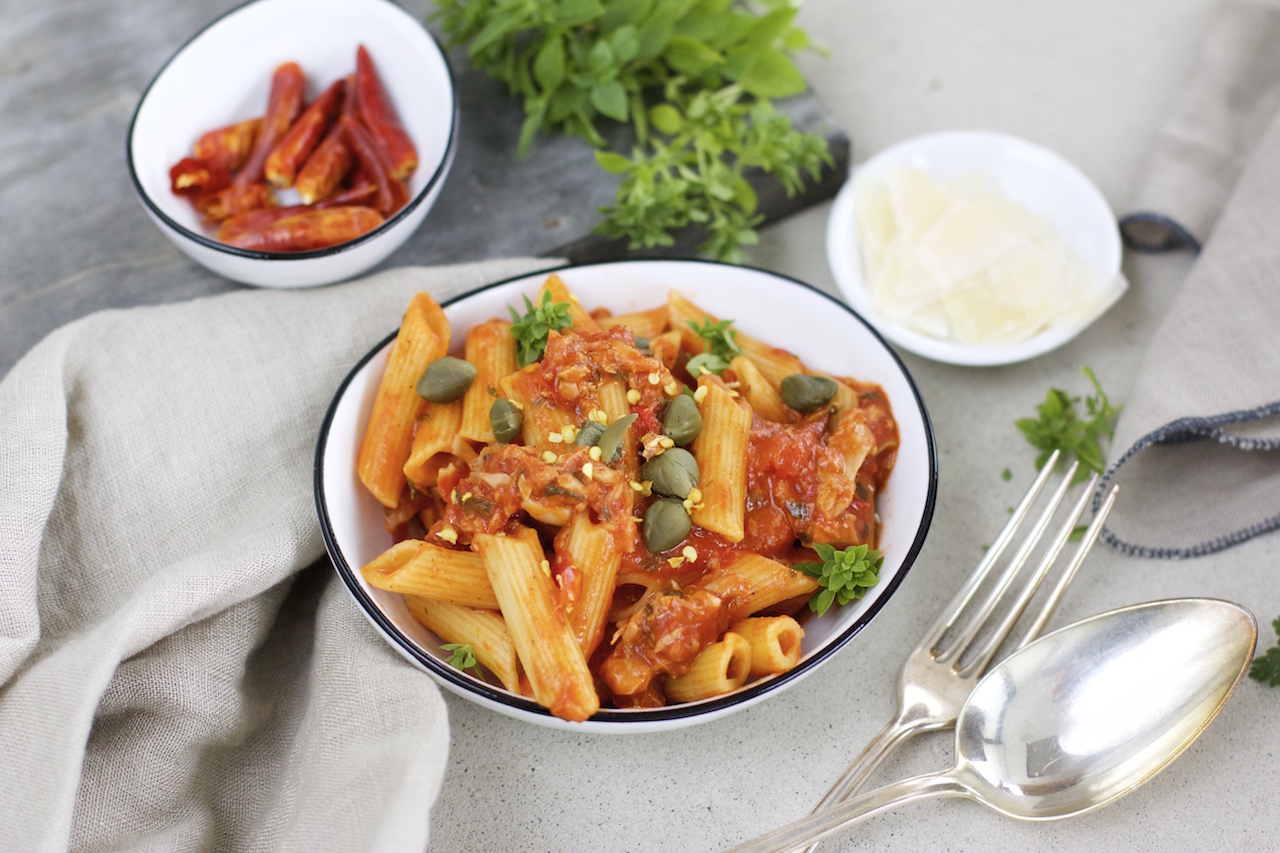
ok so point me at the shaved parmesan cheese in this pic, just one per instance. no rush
(960, 260)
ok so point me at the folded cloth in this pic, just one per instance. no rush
(1198, 156)
(174, 675)
(1198, 439)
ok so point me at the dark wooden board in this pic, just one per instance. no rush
(74, 239)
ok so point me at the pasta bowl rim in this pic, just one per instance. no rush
(612, 720)
(844, 249)
(178, 232)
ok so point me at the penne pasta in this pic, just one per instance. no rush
(423, 338)
(762, 395)
(673, 586)
(721, 451)
(414, 567)
(774, 641)
(433, 443)
(539, 420)
(721, 668)
(645, 324)
(752, 583)
(492, 351)
(595, 560)
(776, 364)
(582, 321)
(680, 313)
(544, 642)
(483, 630)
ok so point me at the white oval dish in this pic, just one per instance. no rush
(223, 74)
(819, 329)
(1034, 177)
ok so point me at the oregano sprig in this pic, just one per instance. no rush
(721, 346)
(531, 329)
(462, 657)
(1058, 427)
(843, 576)
(1266, 666)
(694, 78)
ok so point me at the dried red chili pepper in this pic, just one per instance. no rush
(380, 117)
(371, 165)
(361, 193)
(252, 220)
(237, 198)
(331, 161)
(228, 146)
(194, 177)
(288, 84)
(293, 149)
(311, 229)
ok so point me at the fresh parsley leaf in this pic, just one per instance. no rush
(1006, 475)
(843, 576)
(462, 657)
(721, 346)
(1266, 666)
(531, 330)
(1058, 427)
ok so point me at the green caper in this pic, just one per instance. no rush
(672, 473)
(665, 524)
(610, 442)
(642, 342)
(805, 393)
(589, 433)
(682, 421)
(505, 419)
(446, 379)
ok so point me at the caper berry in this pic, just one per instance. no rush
(805, 393)
(682, 421)
(665, 524)
(446, 379)
(672, 473)
(589, 433)
(610, 442)
(505, 419)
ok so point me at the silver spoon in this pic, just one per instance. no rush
(1076, 719)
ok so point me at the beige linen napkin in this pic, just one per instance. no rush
(174, 676)
(1198, 155)
(1197, 448)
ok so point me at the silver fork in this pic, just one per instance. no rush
(936, 678)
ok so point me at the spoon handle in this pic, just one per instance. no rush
(806, 830)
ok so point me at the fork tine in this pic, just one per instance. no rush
(979, 661)
(962, 641)
(960, 600)
(1086, 543)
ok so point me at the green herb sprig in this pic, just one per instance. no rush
(531, 330)
(1057, 427)
(721, 346)
(462, 657)
(694, 78)
(843, 576)
(1266, 666)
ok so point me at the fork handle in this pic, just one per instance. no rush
(906, 723)
(820, 824)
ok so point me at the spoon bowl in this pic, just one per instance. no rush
(1077, 719)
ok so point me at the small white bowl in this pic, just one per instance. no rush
(223, 75)
(1033, 176)
(819, 329)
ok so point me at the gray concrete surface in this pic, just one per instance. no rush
(1091, 79)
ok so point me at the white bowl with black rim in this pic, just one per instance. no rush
(223, 75)
(822, 331)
